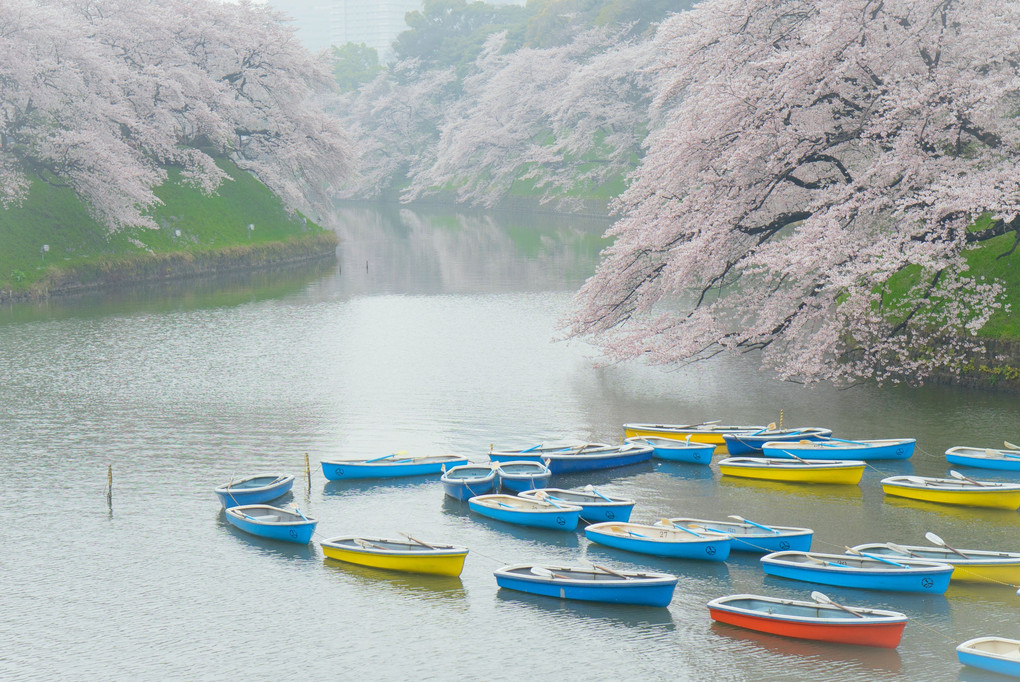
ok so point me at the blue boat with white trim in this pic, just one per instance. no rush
(521, 475)
(751, 443)
(467, 480)
(865, 572)
(748, 536)
(388, 466)
(254, 489)
(595, 507)
(984, 458)
(589, 584)
(994, 654)
(526, 512)
(661, 541)
(832, 448)
(271, 522)
(670, 449)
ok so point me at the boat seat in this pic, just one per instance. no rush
(266, 517)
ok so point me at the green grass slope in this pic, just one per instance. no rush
(191, 224)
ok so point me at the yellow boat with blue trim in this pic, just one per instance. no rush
(957, 490)
(971, 565)
(410, 556)
(704, 432)
(837, 471)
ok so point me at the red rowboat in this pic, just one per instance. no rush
(822, 620)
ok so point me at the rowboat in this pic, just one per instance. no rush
(536, 453)
(967, 492)
(705, 432)
(388, 466)
(748, 536)
(272, 522)
(254, 489)
(906, 575)
(589, 584)
(595, 458)
(518, 476)
(409, 556)
(838, 471)
(822, 621)
(984, 458)
(526, 512)
(660, 541)
(467, 480)
(888, 448)
(595, 507)
(677, 450)
(995, 654)
(744, 443)
(971, 565)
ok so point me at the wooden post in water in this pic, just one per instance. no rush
(780, 419)
(308, 474)
(109, 487)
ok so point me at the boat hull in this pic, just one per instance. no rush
(708, 434)
(465, 488)
(553, 518)
(973, 497)
(884, 633)
(247, 519)
(981, 567)
(343, 470)
(520, 476)
(592, 510)
(841, 472)
(560, 463)
(929, 581)
(450, 562)
(236, 494)
(654, 591)
(709, 549)
(994, 654)
(900, 448)
(747, 538)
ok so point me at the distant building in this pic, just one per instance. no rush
(321, 23)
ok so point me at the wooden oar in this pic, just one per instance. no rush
(392, 454)
(901, 549)
(667, 522)
(300, 514)
(822, 561)
(822, 599)
(1010, 445)
(1000, 453)
(546, 573)
(770, 427)
(799, 459)
(758, 525)
(423, 544)
(611, 572)
(960, 477)
(366, 543)
(591, 489)
(546, 497)
(876, 557)
(931, 537)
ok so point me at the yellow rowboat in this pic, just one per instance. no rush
(412, 556)
(962, 491)
(840, 471)
(706, 432)
(972, 565)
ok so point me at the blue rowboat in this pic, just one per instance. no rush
(595, 507)
(994, 654)
(595, 458)
(536, 453)
(467, 480)
(750, 537)
(899, 575)
(254, 489)
(525, 512)
(984, 458)
(751, 443)
(589, 584)
(677, 450)
(272, 522)
(831, 448)
(660, 541)
(388, 466)
(522, 475)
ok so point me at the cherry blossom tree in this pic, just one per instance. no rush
(562, 117)
(815, 174)
(103, 95)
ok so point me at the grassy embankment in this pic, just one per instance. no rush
(198, 234)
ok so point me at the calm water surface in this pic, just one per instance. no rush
(432, 334)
